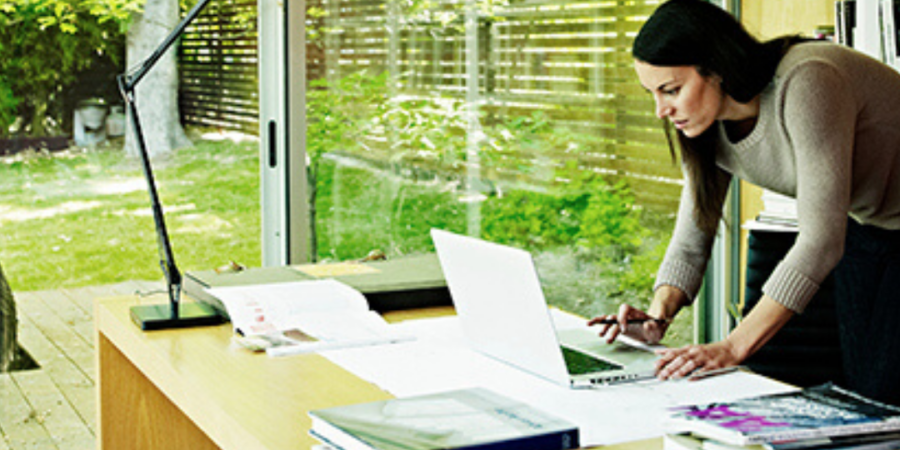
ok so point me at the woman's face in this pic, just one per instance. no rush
(690, 100)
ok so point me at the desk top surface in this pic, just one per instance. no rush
(238, 398)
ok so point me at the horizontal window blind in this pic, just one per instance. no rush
(217, 65)
(565, 64)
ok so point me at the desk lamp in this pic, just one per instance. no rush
(175, 314)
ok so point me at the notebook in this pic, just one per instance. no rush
(503, 314)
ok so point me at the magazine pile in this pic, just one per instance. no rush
(819, 417)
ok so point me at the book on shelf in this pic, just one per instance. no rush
(824, 33)
(877, 441)
(888, 11)
(302, 317)
(777, 219)
(778, 207)
(845, 21)
(779, 213)
(816, 412)
(474, 418)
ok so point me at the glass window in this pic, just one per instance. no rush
(519, 122)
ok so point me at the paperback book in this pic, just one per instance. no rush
(816, 412)
(474, 418)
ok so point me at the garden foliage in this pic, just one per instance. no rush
(45, 47)
(359, 131)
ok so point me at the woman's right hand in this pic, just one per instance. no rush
(650, 329)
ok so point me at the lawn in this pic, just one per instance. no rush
(82, 217)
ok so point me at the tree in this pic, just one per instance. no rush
(43, 45)
(8, 325)
(156, 96)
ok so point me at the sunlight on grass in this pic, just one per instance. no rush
(17, 214)
(82, 217)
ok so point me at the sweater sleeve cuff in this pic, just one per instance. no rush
(790, 288)
(679, 275)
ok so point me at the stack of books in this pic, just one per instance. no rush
(820, 417)
(778, 210)
(463, 419)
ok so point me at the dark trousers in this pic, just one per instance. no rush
(867, 301)
(807, 351)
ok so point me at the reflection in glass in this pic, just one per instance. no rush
(519, 122)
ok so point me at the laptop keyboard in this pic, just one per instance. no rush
(580, 363)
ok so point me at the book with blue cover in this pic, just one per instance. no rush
(820, 411)
(473, 418)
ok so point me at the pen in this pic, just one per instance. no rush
(710, 373)
(631, 321)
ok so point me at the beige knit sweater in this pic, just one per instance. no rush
(828, 134)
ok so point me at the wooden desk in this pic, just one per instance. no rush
(191, 389)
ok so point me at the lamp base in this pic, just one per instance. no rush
(159, 317)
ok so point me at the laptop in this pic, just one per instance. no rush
(503, 314)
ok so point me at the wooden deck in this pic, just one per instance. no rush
(54, 406)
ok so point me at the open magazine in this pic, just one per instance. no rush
(823, 411)
(303, 316)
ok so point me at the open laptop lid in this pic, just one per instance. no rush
(500, 304)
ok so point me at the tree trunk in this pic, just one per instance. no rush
(8, 325)
(37, 127)
(156, 96)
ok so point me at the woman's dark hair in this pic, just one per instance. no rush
(700, 34)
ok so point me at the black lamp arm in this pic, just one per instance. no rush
(127, 84)
(128, 81)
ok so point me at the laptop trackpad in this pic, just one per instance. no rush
(618, 353)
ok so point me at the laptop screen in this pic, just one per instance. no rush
(500, 305)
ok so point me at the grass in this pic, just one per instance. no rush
(82, 217)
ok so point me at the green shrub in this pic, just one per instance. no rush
(44, 46)
(610, 223)
(8, 104)
(533, 220)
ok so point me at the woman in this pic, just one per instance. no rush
(811, 120)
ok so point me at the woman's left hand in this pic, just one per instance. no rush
(693, 360)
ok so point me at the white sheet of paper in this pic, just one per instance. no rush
(261, 308)
(439, 360)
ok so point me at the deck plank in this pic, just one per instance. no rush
(54, 407)
(76, 385)
(83, 301)
(3, 444)
(21, 424)
(53, 410)
(63, 336)
(69, 312)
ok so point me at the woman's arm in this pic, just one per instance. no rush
(679, 276)
(763, 322)
(667, 301)
(820, 116)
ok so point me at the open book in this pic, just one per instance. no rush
(303, 316)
